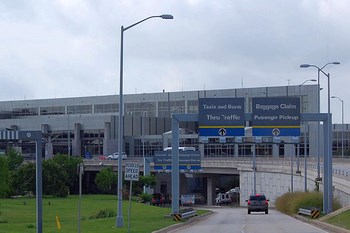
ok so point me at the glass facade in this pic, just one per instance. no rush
(141, 109)
(106, 108)
(79, 109)
(52, 110)
(25, 111)
(92, 142)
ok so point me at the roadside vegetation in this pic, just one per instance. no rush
(290, 203)
(59, 176)
(98, 214)
(340, 220)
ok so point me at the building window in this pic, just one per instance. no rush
(79, 109)
(106, 108)
(25, 111)
(52, 110)
(141, 109)
(192, 106)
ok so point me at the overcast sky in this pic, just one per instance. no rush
(69, 48)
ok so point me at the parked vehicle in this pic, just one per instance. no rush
(258, 203)
(223, 199)
(115, 155)
(157, 199)
(181, 148)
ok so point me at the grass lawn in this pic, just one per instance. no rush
(19, 215)
(341, 220)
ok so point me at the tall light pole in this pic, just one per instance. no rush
(327, 163)
(298, 152)
(342, 125)
(318, 178)
(68, 131)
(119, 220)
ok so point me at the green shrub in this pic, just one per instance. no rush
(145, 197)
(290, 203)
(30, 225)
(105, 213)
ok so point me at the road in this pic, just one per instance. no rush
(236, 220)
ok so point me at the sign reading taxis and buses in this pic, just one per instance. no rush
(221, 117)
(276, 116)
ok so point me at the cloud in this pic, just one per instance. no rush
(69, 48)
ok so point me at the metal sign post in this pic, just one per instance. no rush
(80, 169)
(132, 172)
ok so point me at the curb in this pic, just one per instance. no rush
(325, 226)
(186, 223)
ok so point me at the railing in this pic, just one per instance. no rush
(234, 162)
(313, 213)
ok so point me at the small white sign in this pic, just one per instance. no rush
(132, 171)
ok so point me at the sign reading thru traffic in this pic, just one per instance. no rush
(221, 117)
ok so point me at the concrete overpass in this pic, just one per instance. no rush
(273, 176)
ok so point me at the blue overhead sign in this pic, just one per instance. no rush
(276, 116)
(220, 117)
(188, 161)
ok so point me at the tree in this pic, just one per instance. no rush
(106, 180)
(15, 159)
(148, 180)
(54, 179)
(4, 177)
(23, 179)
(69, 165)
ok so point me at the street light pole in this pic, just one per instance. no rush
(318, 178)
(342, 125)
(298, 152)
(327, 163)
(119, 220)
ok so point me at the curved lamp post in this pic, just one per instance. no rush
(329, 108)
(327, 163)
(342, 125)
(298, 151)
(119, 220)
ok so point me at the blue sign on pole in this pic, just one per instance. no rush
(276, 116)
(220, 117)
(188, 160)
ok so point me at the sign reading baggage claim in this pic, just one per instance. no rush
(220, 117)
(276, 116)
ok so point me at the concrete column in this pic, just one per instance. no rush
(48, 148)
(110, 143)
(275, 150)
(236, 150)
(76, 143)
(209, 191)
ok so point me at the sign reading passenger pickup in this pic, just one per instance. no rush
(221, 117)
(276, 116)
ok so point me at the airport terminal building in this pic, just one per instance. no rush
(88, 126)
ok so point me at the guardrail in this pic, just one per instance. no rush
(185, 213)
(313, 213)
